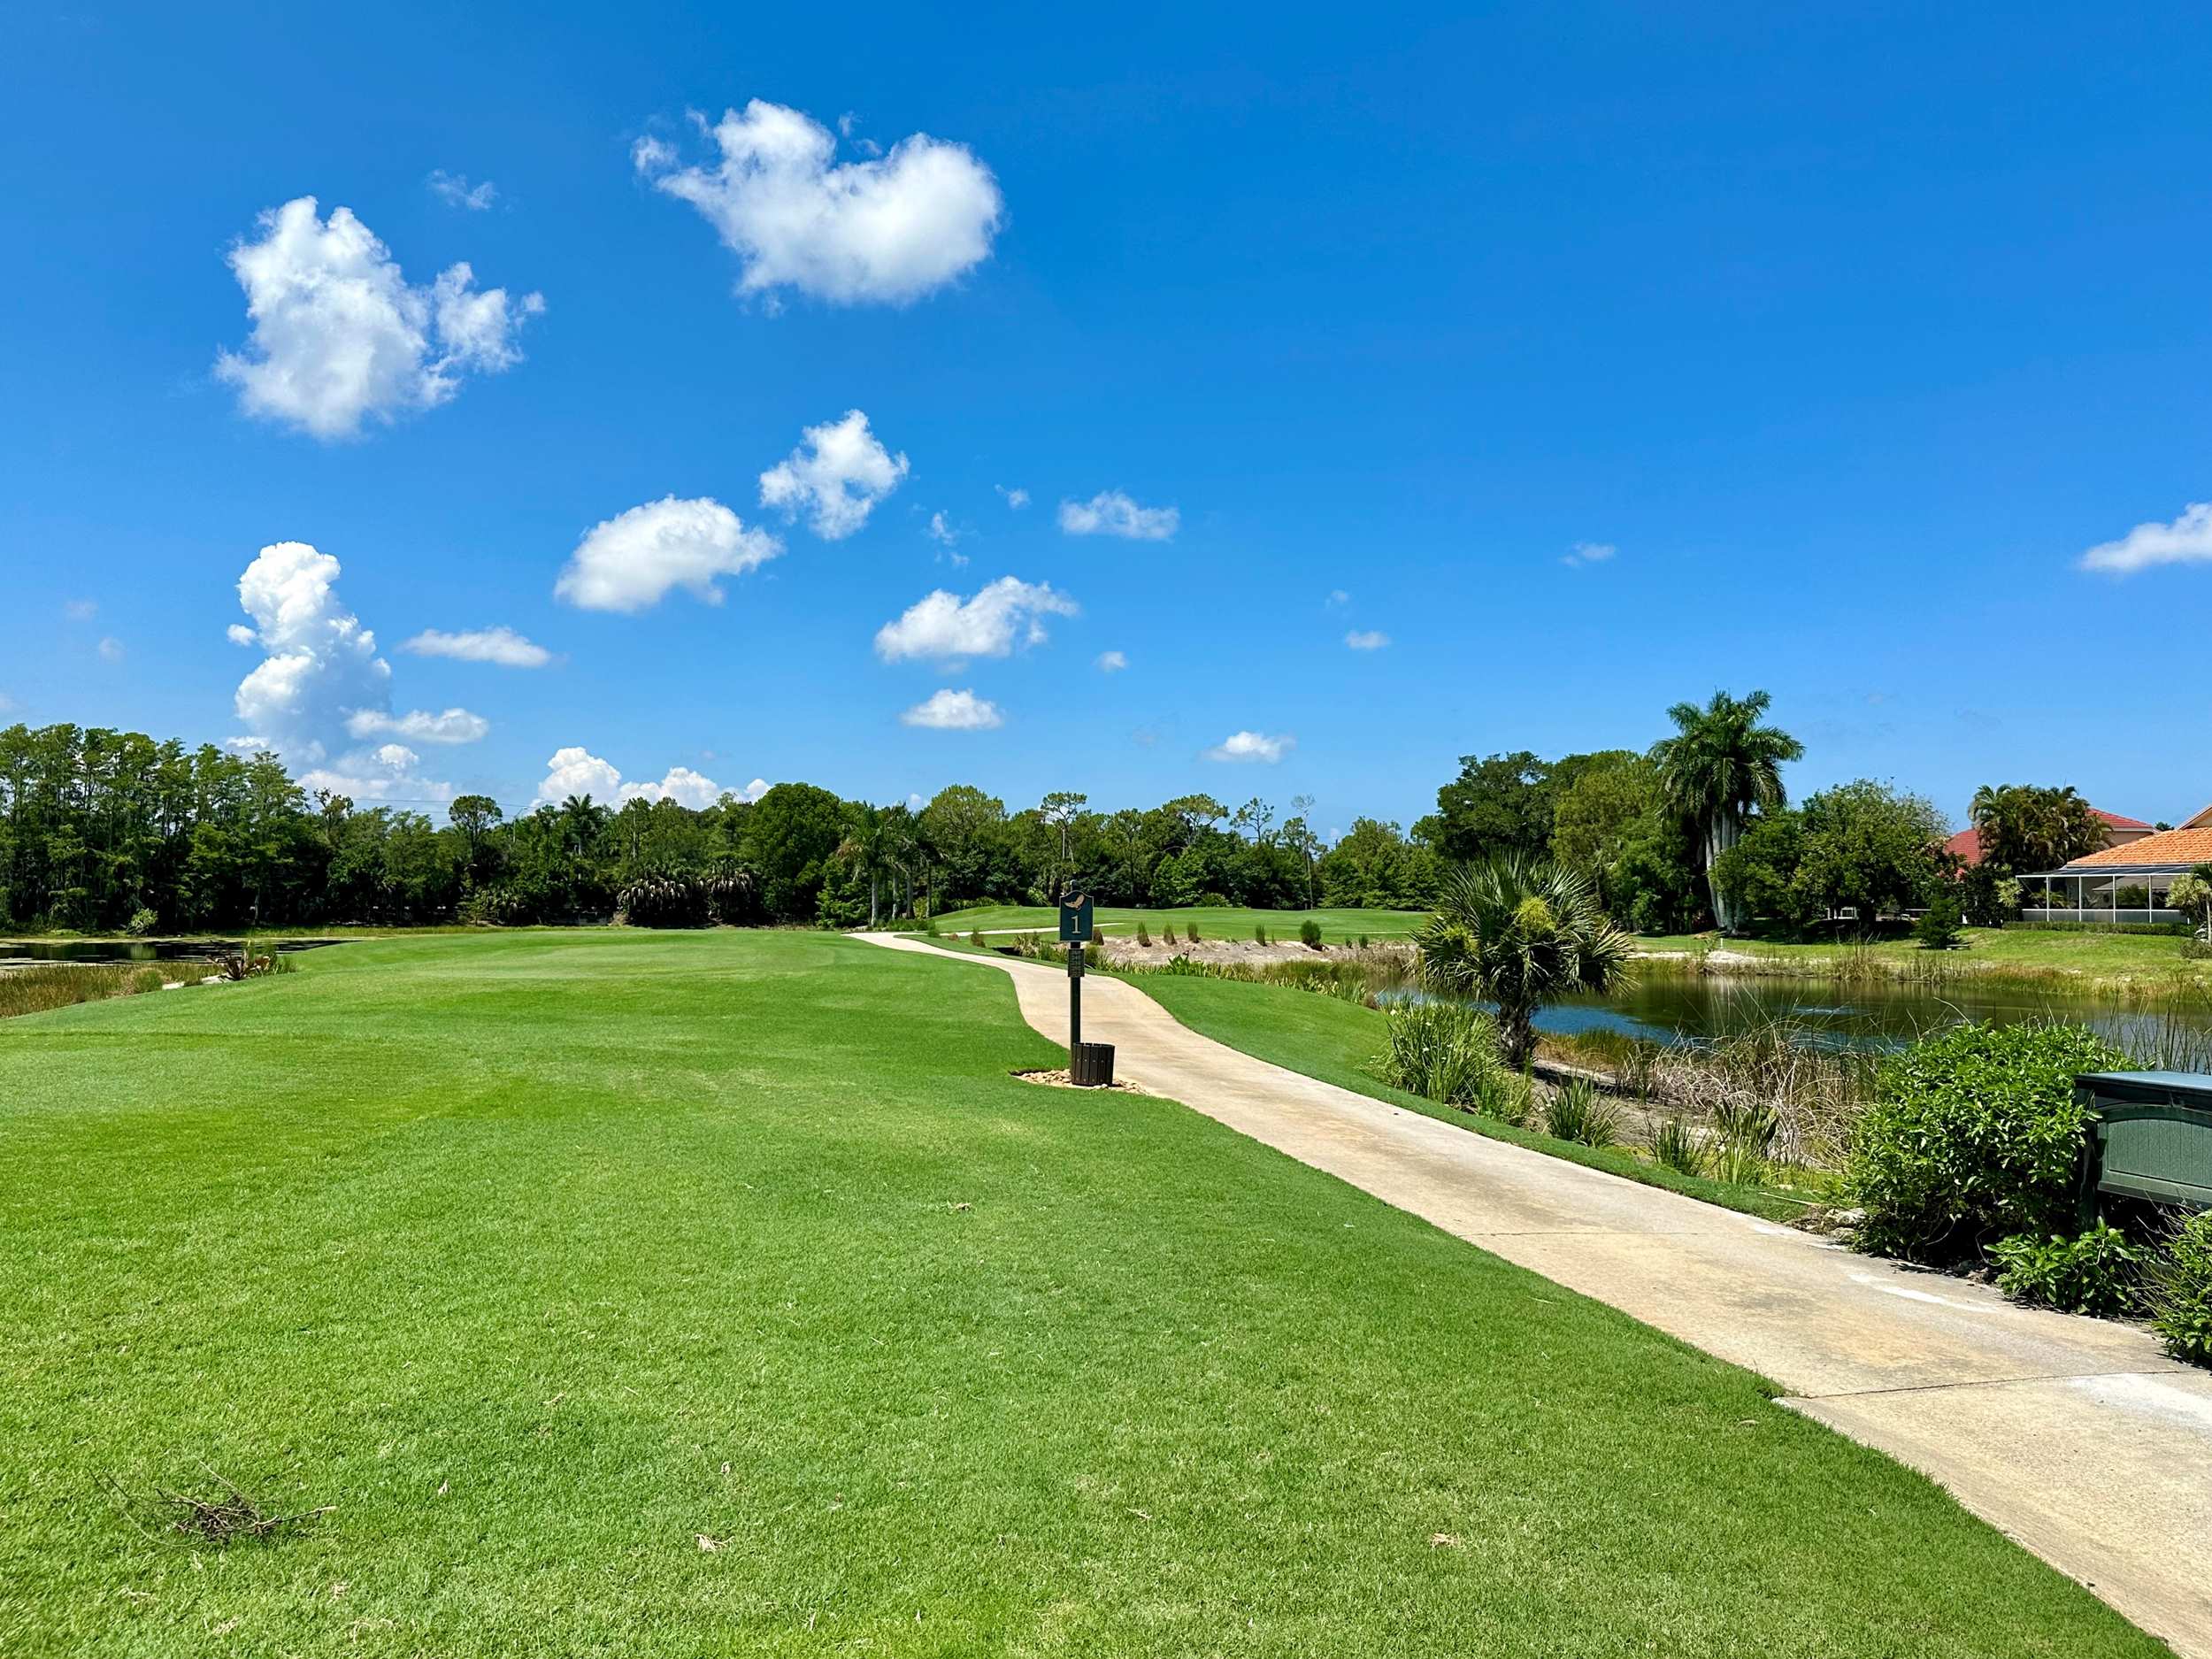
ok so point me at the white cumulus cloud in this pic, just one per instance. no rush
(942, 626)
(111, 649)
(629, 562)
(1589, 553)
(1252, 745)
(454, 726)
(1113, 662)
(340, 334)
(320, 665)
(880, 230)
(501, 645)
(455, 190)
(1112, 512)
(683, 786)
(577, 770)
(1017, 498)
(940, 532)
(1367, 639)
(2186, 541)
(836, 476)
(950, 710)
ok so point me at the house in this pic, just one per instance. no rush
(1966, 845)
(2127, 881)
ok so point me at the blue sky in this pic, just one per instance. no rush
(1849, 337)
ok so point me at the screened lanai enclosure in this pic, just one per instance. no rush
(2114, 894)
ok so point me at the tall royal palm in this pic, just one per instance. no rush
(1721, 763)
(1520, 934)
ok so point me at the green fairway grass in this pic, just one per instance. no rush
(1328, 1037)
(721, 1294)
(1338, 926)
(2145, 961)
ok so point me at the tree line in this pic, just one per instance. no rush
(102, 830)
(108, 830)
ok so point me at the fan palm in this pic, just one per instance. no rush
(1719, 765)
(1520, 934)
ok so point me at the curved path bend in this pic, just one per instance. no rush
(2076, 1437)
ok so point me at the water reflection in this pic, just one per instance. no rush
(1678, 1008)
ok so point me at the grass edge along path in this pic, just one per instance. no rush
(717, 1293)
(1331, 1041)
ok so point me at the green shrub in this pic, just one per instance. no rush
(977, 939)
(1441, 1051)
(1938, 928)
(1190, 933)
(1972, 1136)
(1144, 935)
(1673, 1145)
(142, 922)
(1577, 1113)
(1259, 932)
(2177, 1288)
(1310, 935)
(2096, 1273)
(1363, 941)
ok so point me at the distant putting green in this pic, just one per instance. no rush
(722, 1293)
(1338, 926)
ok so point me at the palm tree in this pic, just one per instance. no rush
(1720, 763)
(865, 844)
(1520, 934)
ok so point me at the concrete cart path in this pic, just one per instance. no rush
(2076, 1437)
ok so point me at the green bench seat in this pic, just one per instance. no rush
(2150, 1138)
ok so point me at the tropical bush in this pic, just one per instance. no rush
(2177, 1289)
(1441, 1051)
(2094, 1273)
(1577, 1113)
(142, 922)
(1310, 935)
(1973, 1136)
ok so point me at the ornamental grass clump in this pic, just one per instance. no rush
(1973, 1136)
(1674, 1145)
(1441, 1051)
(1577, 1113)
(1310, 935)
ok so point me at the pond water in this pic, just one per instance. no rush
(19, 953)
(1670, 1006)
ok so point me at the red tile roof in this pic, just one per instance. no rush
(2183, 847)
(2117, 822)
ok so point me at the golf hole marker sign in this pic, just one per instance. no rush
(1090, 1064)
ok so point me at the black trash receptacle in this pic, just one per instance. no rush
(1092, 1064)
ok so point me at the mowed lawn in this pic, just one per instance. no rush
(1338, 926)
(722, 1293)
(2095, 954)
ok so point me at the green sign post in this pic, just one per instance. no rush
(1090, 1064)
